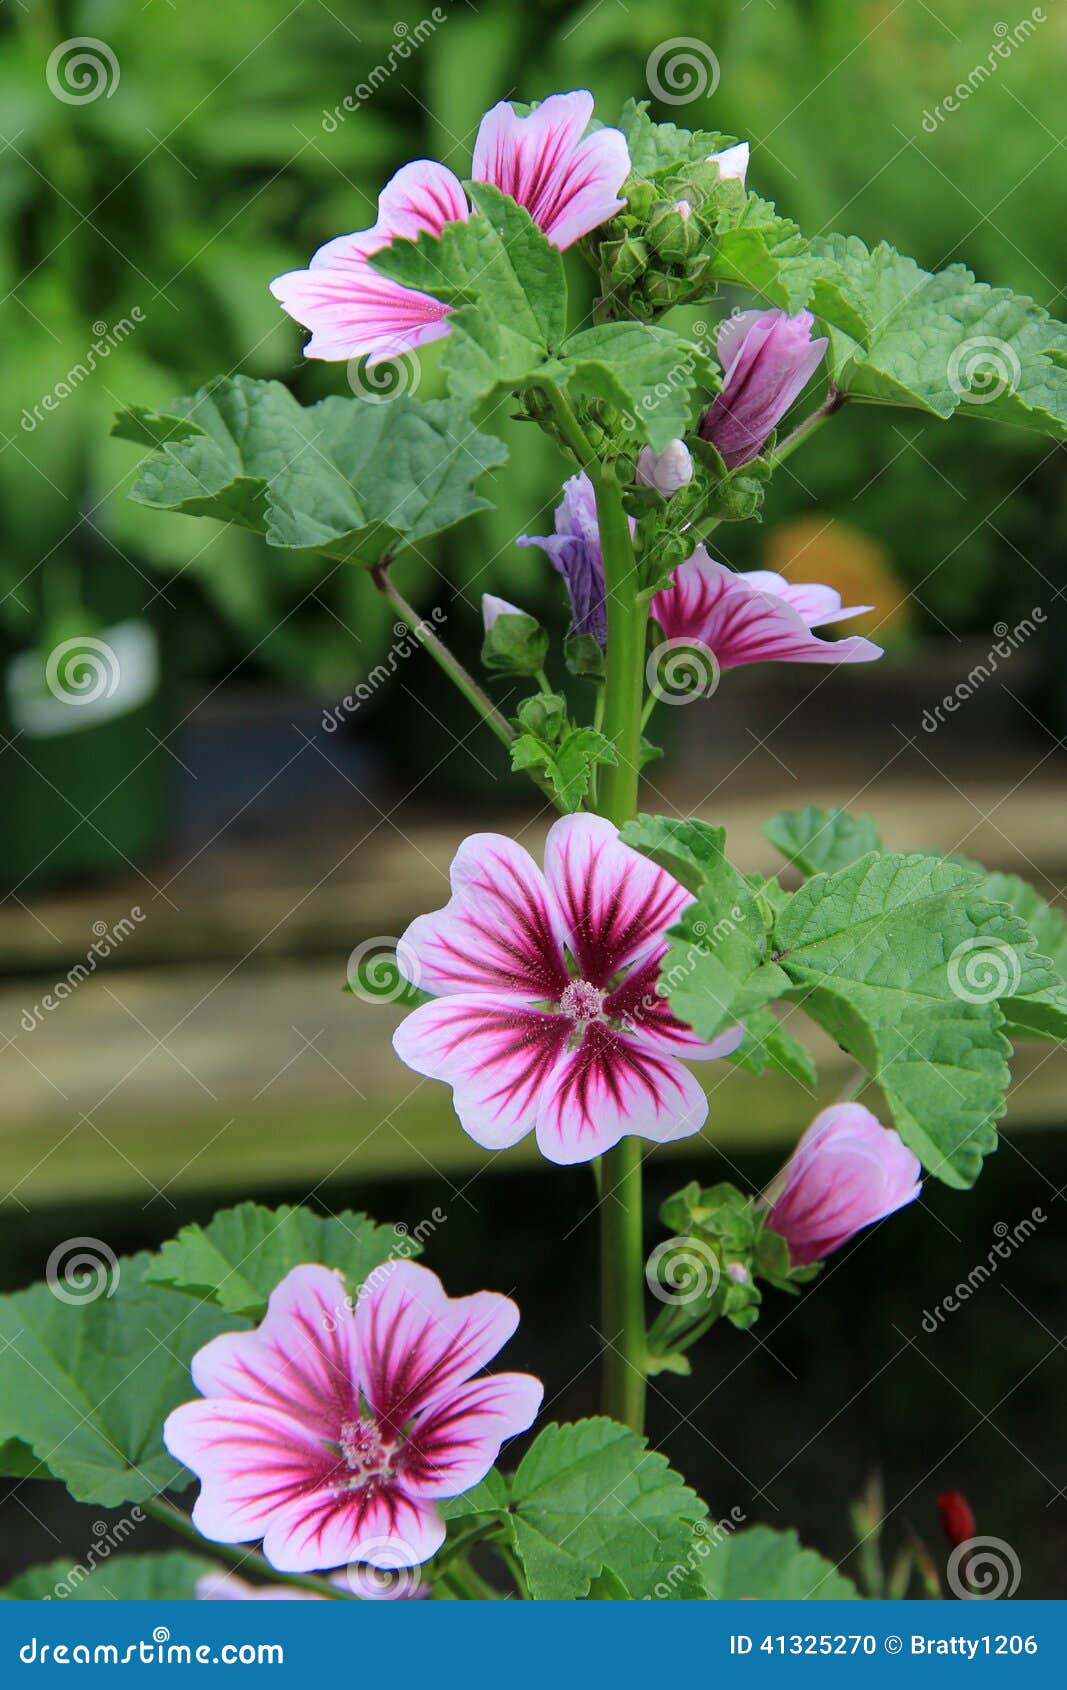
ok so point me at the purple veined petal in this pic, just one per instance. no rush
(495, 1053)
(568, 184)
(616, 905)
(847, 1172)
(647, 1018)
(452, 1446)
(609, 1087)
(768, 358)
(353, 311)
(574, 550)
(814, 604)
(499, 931)
(711, 605)
(251, 1461)
(301, 1359)
(334, 1526)
(422, 196)
(418, 1345)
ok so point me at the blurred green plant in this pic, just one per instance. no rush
(223, 154)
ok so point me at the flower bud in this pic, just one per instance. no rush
(672, 232)
(515, 643)
(666, 471)
(732, 163)
(767, 358)
(847, 1171)
(957, 1518)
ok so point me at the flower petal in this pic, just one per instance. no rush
(332, 1527)
(647, 1018)
(352, 311)
(417, 1344)
(300, 1360)
(611, 1086)
(495, 1053)
(711, 605)
(453, 1446)
(251, 1461)
(567, 184)
(616, 905)
(500, 929)
(814, 604)
(421, 196)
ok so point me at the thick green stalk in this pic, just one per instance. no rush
(622, 1254)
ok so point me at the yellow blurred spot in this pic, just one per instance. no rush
(817, 548)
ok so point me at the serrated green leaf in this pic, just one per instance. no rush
(658, 147)
(755, 248)
(1040, 1014)
(168, 1577)
(717, 970)
(237, 1259)
(650, 374)
(766, 1565)
(941, 343)
(592, 1498)
(820, 841)
(506, 284)
(880, 954)
(350, 479)
(766, 1044)
(87, 1386)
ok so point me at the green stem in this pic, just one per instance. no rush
(248, 1559)
(441, 655)
(833, 402)
(622, 1255)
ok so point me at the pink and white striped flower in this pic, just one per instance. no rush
(567, 180)
(329, 1432)
(759, 617)
(847, 1172)
(547, 1017)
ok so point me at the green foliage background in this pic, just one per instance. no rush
(210, 168)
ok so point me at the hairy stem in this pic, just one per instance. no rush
(833, 402)
(441, 655)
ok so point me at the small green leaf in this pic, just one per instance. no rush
(592, 1498)
(88, 1385)
(767, 1566)
(168, 1577)
(569, 765)
(820, 841)
(1039, 1014)
(238, 1258)
(766, 1044)
(350, 479)
(656, 148)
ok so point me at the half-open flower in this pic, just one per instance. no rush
(768, 358)
(548, 1017)
(755, 618)
(567, 180)
(330, 1431)
(847, 1171)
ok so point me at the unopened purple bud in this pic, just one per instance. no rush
(847, 1171)
(493, 607)
(666, 471)
(767, 358)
